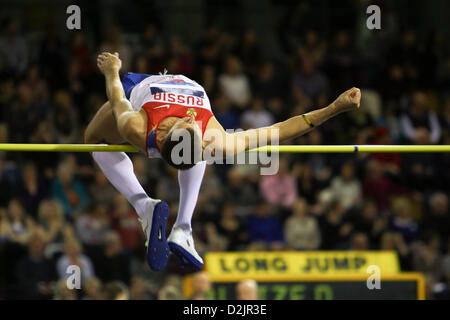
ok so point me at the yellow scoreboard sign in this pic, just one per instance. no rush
(292, 264)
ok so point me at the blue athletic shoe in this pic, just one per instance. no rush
(155, 230)
(181, 244)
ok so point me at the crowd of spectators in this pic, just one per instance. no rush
(58, 209)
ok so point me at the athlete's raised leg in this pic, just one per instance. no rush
(118, 169)
(116, 166)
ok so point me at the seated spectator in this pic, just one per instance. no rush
(420, 116)
(74, 256)
(346, 187)
(309, 80)
(139, 289)
(390, 161)
(19, 223)
(51, 219)
(320, 163)
(224, 113)
(141, 170)
(211, 195)
(234, 83)
(301, 230)
(116, 290)
(334, 227)
(239, 191)
(151, 42)
(437, 220)
(31, 189)
(101, 190)
(180, 56)
(359, 241)
(22, 116)
(377, 186)
(37, 86)
(141, 64)
(268, 83)
(312, 47)
(264, 227)
(421, 171)
(201, 285)
(62, 292)
(368, 221)
(279, 189)
(70, 193)
(209, 82)
(214, 45)
(278, 108)
(64, 118)
(81, 53)
(393, 241)
(427, 257)
(92, 225)
(341, 60)
(113, 265)
(114, 43)
(402, 221)
(247, 290)
(249, 51)
(231, 227)
(36, 273)
(13, 47)
(170, 292)
(256, 116)
(93, 289)
(168, 187)
(308, 185)
(406, 54)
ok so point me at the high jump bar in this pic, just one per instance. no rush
(24, 147)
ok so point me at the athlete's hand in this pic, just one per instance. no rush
(109, 63)
(349, 100)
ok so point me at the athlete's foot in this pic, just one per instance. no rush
(154, 225)
(181, 244)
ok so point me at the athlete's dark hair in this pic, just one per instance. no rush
(169, 143)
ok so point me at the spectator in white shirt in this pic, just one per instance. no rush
(74, 257)
(234, 83)
(346, 188)
(301, 230)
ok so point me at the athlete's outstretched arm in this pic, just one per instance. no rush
(110, 64)
(129, 122)
(234, 143)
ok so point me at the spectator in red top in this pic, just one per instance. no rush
(81, 53)
(389, 161)
(377, 186)
(280, 189)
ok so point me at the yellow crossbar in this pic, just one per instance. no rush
(24, 147)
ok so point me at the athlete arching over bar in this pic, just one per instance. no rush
(147, 111)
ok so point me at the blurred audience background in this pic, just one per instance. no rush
(260, 62)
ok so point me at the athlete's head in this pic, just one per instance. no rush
(182, 147)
